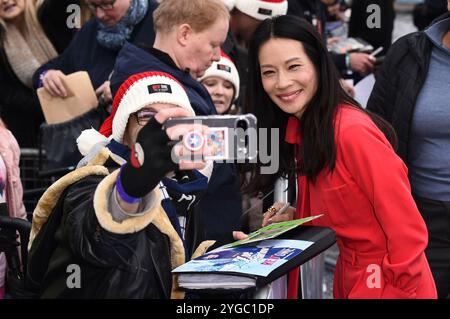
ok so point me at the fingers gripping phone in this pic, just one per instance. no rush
(230, 138)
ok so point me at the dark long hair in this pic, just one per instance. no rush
(317, 122)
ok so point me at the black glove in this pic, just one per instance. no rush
(150, 160)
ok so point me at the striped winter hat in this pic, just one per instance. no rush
(135, 93)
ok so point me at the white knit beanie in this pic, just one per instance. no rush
(224, 69)
(144, 89)
(229, 4)
(262, 9)
(135, 93)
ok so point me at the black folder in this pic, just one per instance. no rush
(322, 238)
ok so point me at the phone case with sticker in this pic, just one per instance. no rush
(229, 137)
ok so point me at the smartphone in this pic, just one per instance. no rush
(229, 138)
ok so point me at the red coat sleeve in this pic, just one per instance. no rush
(383, 177)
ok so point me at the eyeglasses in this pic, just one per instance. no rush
(143, 116)
(104, 6)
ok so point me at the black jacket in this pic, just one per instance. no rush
(358, 27)
(132, 259)
(399, 83)
(19, 106)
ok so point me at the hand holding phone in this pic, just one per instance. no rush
(227, 138)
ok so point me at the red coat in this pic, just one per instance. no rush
(367, 201)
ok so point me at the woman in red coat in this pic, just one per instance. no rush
(346, 166)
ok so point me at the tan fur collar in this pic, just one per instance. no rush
(49, 199)
(101, 157)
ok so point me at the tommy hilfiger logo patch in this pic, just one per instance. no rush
(224, 67)
(159, 88)
(266, 12)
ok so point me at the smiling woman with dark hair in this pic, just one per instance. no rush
(346, 167)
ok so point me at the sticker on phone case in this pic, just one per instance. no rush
(217, 143)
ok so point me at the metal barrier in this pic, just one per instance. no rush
(311, 277)
(31, 161)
